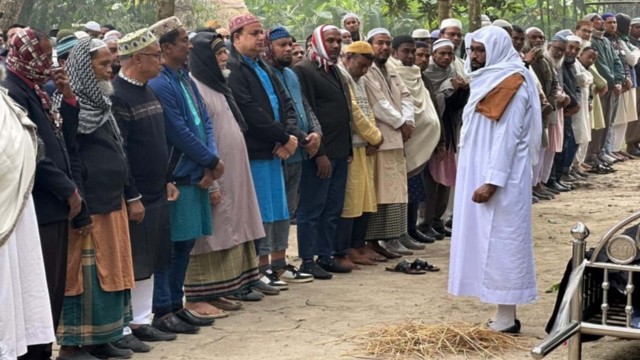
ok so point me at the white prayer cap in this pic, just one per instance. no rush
(112, 35)
(350, 16)
(502, 23)
(96, 44)
(589, 17)
(421, 34)
(533, 28)
(484, 20)
(441, 43)
(377, 31)
(81, 35)
(450, 23)
(573, 38)
(635, 21)
(93, 26)
(564, 33)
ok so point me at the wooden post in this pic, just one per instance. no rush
(10, 11)
(475, 10)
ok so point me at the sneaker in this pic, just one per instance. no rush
(271, 278)
(316, 271)
(291, 274)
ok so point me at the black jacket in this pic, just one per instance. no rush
(264, 132)
(57, 175)
(331, 101)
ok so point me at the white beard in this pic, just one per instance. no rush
(3, 73)
(106, 87)
(226, 73)
(585, 43)
(557, 64)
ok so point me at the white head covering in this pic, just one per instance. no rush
(96, 44)
(450, 23)
(349, 16)
(81, 35)
(93, 26)
(502, 23)
(533, 28)
(502, 61)
(112, 35)
(484, 20)
(421, 34)
(345, 31)
(442, 43)
(574, 38)
(635, 21)
(377, 31)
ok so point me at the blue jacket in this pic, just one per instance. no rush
(188, 155)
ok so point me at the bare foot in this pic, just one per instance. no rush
(357, 258)
(205, 309)
(370, 254)
(346, 262)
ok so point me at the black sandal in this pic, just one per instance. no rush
(420, 264)
(407, 268)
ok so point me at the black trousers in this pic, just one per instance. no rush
(54, 239)
(351, 233)
(437, 199)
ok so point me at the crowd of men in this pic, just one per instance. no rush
(168, 164)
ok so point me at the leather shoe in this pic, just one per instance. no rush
(633, 152)
(332, 266)
(434, 234)
(80, 354)
(555, 186)
(541, 196)
(106, 351)
(173, 324)
(132, 343)
(395, 246)
(191, 319)
(421, 237)
(442, 230)
(149, 333)
(411, 244)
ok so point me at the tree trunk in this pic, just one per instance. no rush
(166, 8)
(10, 10)
(444, 9)
(475, 10)
(228, 9)
(184, 12)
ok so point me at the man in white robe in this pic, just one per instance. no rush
(491, 246)
(24, 299)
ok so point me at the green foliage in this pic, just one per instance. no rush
(70, 14)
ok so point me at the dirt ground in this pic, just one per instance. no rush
(315, 321)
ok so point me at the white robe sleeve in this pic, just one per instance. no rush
(508, 134)
(408, 109)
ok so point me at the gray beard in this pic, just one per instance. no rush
(106, 87)
(226, 73)
(3, 73)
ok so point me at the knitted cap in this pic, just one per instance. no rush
(377, 31)
(278, 33)
(360, 47)
(241, 21)
(66, 44)
(605, 16)
(442, 43)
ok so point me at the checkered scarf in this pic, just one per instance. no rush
(318, 52)
(27, 59)
(95, 106)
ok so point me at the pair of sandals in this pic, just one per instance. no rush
(417, 267)
(602, 169)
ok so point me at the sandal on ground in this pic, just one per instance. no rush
(405, 267)
(420, 264)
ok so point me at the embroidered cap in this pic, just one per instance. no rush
(135, 41)
(450, 23)
(241, 21)
(377, 31)
(93, 26)
(421, 34)
(165, 26)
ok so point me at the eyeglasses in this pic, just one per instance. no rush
(157, 56)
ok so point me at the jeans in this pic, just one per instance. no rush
(570, 148)
(321, 203)
(168, 283)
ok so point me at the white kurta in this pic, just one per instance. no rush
(24, 299)
(491, 246)
(581, 121)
